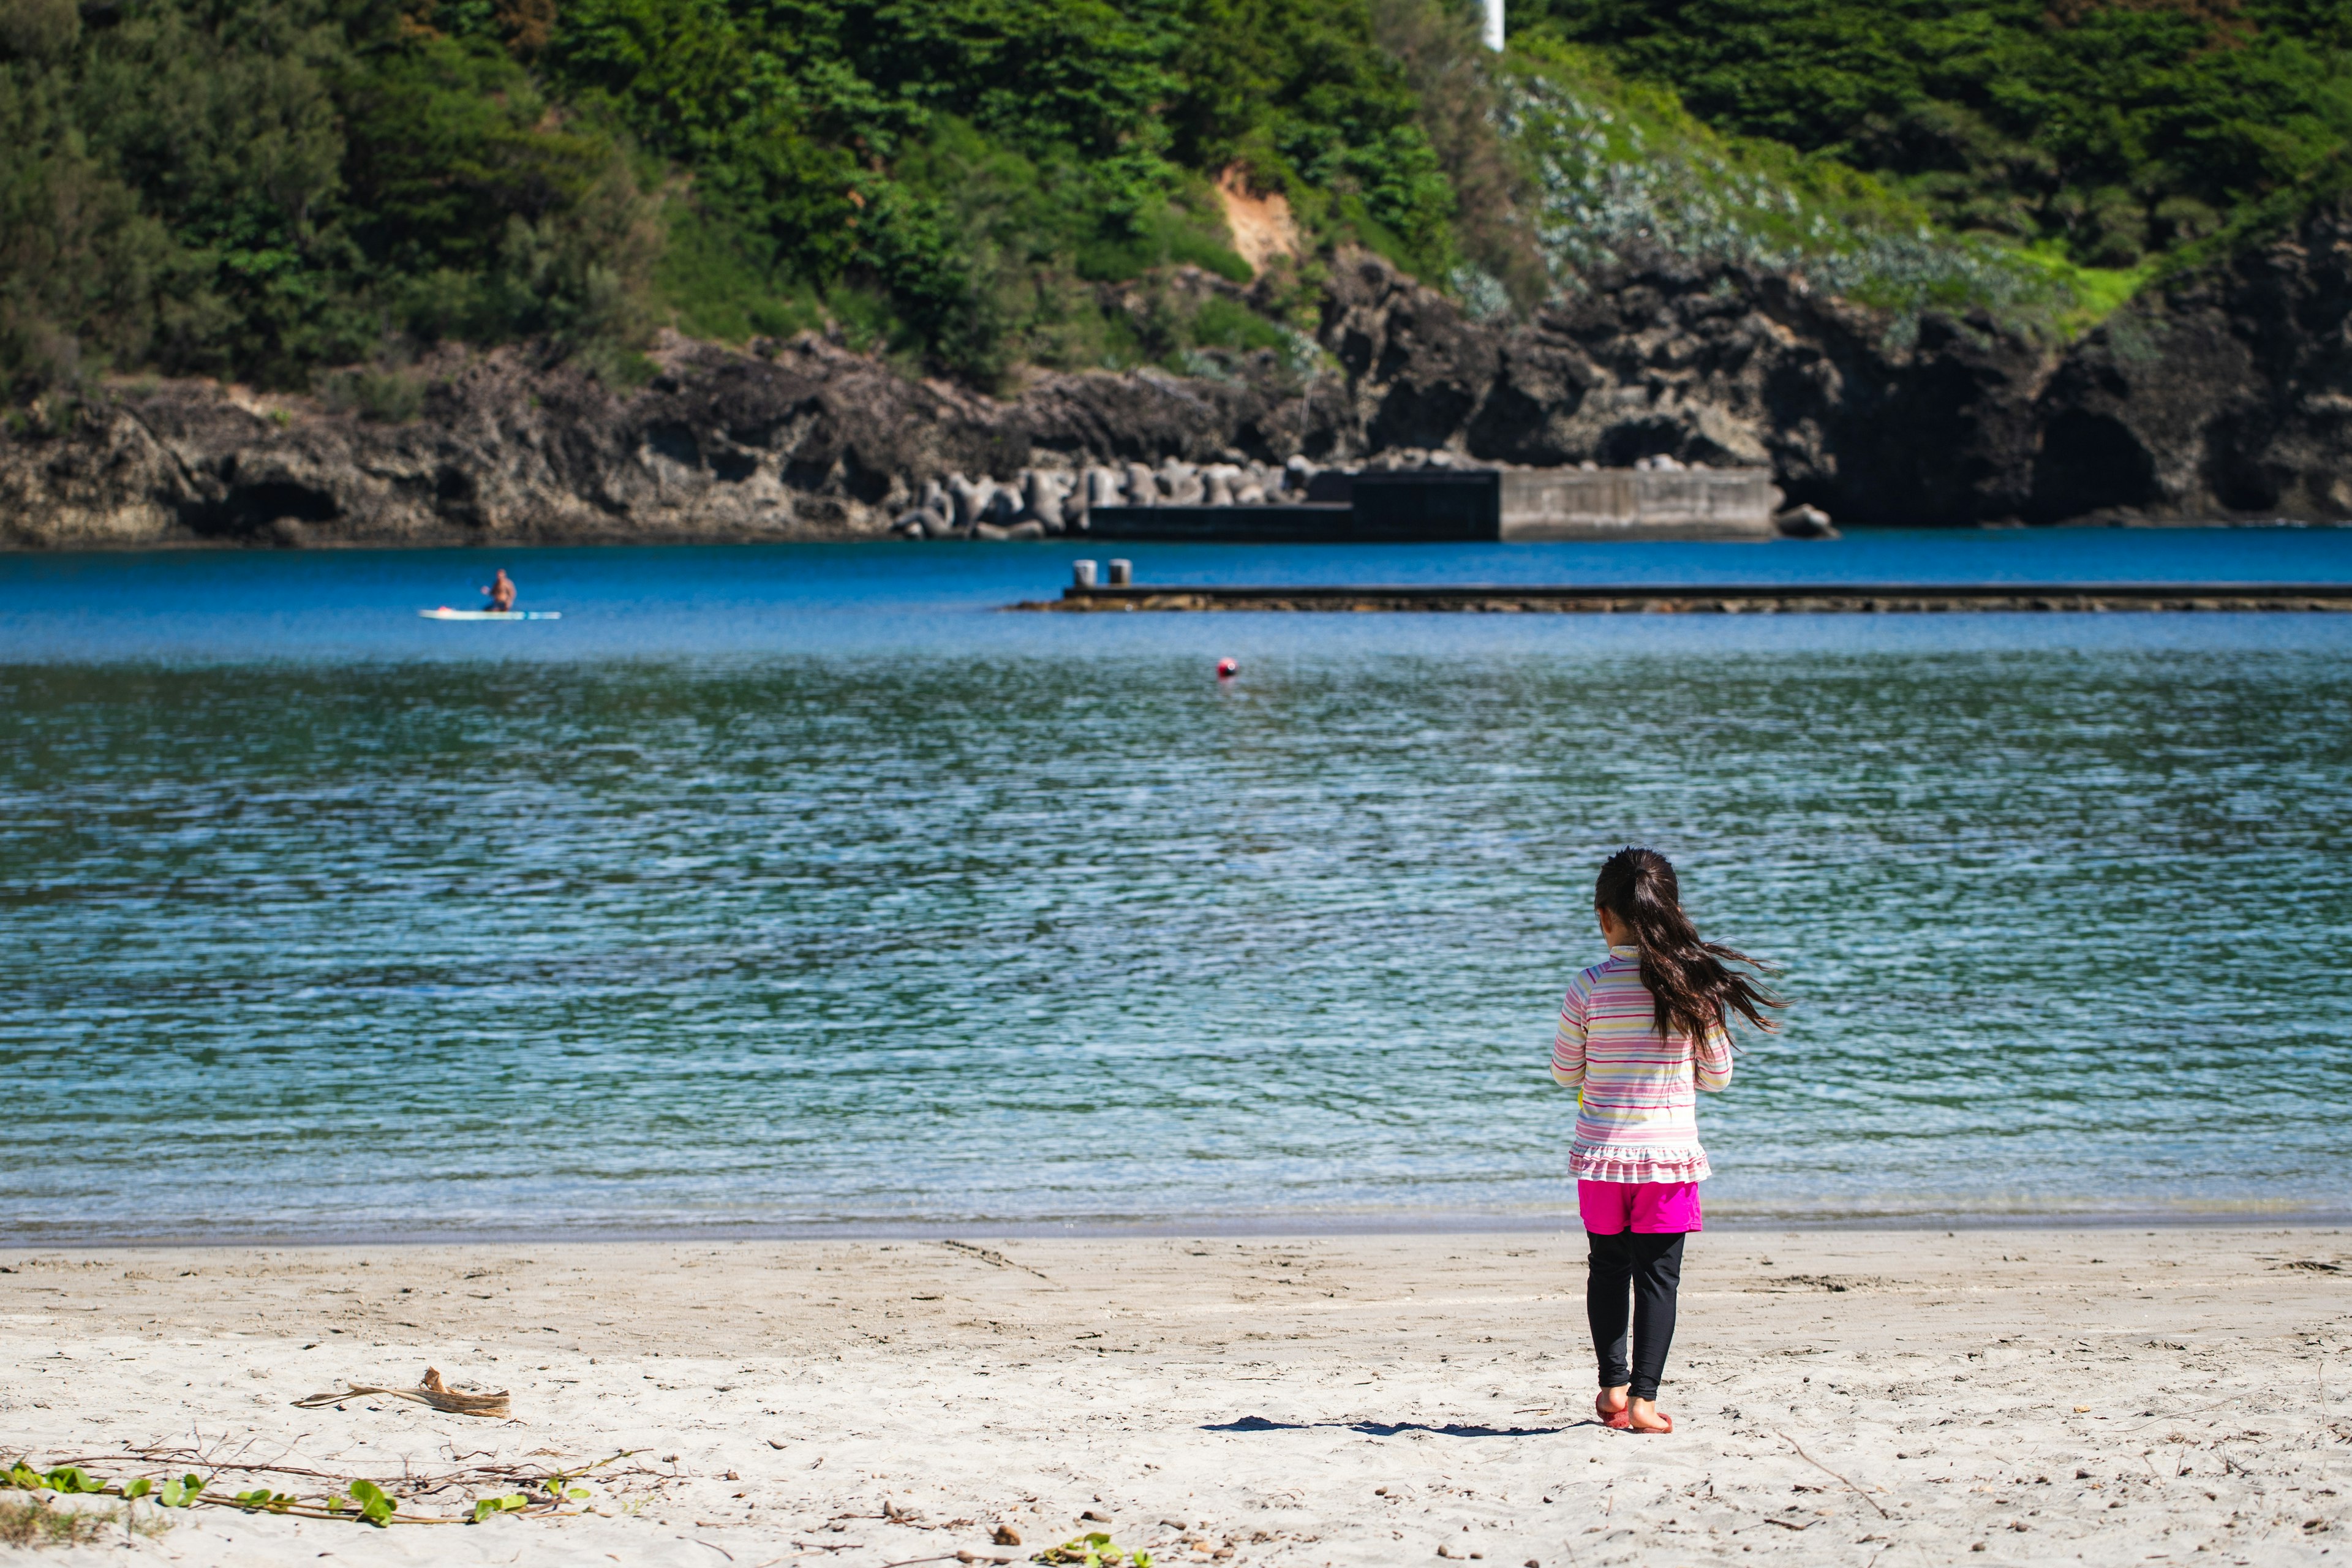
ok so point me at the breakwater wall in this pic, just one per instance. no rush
(1638, 503)
(1737, 599)
(1425, 497)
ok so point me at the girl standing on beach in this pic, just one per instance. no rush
(1639, 1033)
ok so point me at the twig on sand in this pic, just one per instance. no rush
(997, 1258)
(201, 1459)
(432, 1392)
(408, 1484)
(948, 1557)
(1827, 1471)
(721, 1549)
(2186, 1414)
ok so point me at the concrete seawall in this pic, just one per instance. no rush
(1792, 599)
(1626, 503)
(1477, 506)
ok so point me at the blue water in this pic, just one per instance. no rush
(737, 600)
(797, 887)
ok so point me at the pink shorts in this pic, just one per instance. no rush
(1645, 1208)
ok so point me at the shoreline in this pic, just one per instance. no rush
(462, 544)
(177, 547)
(2090, 1394)
(2220, 1215)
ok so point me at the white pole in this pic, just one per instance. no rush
(1494, 26)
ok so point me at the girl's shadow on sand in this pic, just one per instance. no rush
(1389, 1429)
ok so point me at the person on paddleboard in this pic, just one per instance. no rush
(502, 594)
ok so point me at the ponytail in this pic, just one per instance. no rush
(1692, 981)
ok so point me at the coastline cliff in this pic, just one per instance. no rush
(2223, 395)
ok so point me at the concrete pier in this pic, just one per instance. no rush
(1478, 505)
(1812, 598)
(1530, 504)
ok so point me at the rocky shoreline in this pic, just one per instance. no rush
(2224, 396)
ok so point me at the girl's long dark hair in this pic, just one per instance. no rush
(1694, 981)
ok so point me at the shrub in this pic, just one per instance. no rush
(2078, 121)
(1622, 171)
(386, 397)
(33, 1522)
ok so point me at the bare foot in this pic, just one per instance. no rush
(1643, 1416)
(1609, 1405)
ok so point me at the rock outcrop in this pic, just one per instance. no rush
(803, 441)
(2228, 393)
(2225, 395)
(1703, 364)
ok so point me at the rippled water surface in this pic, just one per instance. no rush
(795, 886)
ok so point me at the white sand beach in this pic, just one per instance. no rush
(1992, 1396)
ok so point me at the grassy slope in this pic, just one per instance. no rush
(1617, 164)
(2115, 130)
(263, 188)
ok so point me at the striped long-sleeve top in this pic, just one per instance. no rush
(1638, 1120)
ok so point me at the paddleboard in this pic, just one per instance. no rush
(446, 614)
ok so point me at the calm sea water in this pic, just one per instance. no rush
(782, 889)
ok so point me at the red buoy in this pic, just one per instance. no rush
(1227, 668)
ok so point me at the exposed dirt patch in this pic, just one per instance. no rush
(1262, 225)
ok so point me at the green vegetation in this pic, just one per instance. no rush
(2112, 129)
(31, 1522)
(261, 187)
(1621, 168)
(1094, 1551)
(311, 192)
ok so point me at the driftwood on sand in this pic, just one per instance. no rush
(432, 1392)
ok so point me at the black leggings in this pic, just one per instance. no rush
(1653, 1266)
